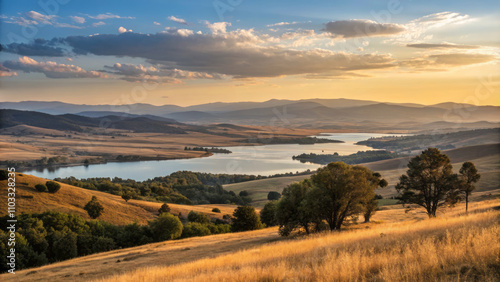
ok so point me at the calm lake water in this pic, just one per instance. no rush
(257, 160)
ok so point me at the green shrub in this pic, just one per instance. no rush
(164, 209)
(52, 186)
(216, 210)
(166, 227)
(195, 229)
(41, 188)
(198, 217)
(245, 218)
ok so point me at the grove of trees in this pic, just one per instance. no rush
(430, 182)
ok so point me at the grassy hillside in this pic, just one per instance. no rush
(485, 157)
(393, 242)
(449, 248)
(72, 199)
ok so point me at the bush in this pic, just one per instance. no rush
(194, 229)
(164, 209)
(273, 195)
(244, 193)
(94, 208)
(245, 218)
(4, 174)
(216, 210)
(41, 188)
(166, 227)
(53, 186)
(198, 217)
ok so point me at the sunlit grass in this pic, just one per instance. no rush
(452, 247)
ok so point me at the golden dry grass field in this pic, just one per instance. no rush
(396, 246)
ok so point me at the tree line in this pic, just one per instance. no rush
(338, 193)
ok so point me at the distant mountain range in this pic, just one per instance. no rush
(320, 113)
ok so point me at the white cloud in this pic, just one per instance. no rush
(121, 29)
(98, 24)
(281, 24)
(416, 30)
(218, 27)
(41, 18)
(108, 16)
(77, 19)
(156, 23)
(51, 69)
(178, 20)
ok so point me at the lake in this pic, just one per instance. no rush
(258, 160)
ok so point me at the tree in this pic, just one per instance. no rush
(4, 174)
(273, 195)
(166, 227)
(52, 186)
(126, 196)
(245, 218)
(243, 193)
(292, 210)
(217, 210)
(268, 213)
(164, 209)
(369, 209)
(429, 181)
(94, 208)
(468, 176)
(340, 191)
(41, 187)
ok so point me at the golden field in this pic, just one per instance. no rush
(395, 246)
(452, 248)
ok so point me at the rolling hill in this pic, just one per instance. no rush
(71, 199)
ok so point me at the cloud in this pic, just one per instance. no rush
(77, 19)
(417, 29)
(218, 27)
(362, 28)
(137, 73)
(35, 18)
(41, 18)
(51, 69)
(5, 72)
(156, 23)
(442, 46)
(39, 47)
(442, 62)
(121, 29)
(234, 54)
(281, 24)
(108, 16)
(98, 24)
(178, 20)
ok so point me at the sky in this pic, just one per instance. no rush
(194, 52)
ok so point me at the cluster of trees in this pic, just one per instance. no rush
(287, 140)
(335, 194)
(182, 187)
(356, 158)
(422, 141)
(208, 150)
(55, 236)
(430, 182)
(339, 193)
(49, 186)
